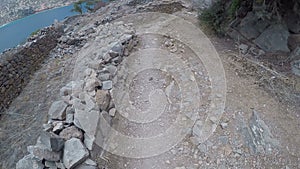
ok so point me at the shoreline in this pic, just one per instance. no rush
(36, 13)
(37, 8)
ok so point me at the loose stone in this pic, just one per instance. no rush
(74, 153)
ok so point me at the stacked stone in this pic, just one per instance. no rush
(71, 130)
(16, 67)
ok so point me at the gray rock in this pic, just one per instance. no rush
(197, 129)
(87, 121)
(50, 141)
(77, 103)
(296, 67)
(251, 26)
(57, 110)
(64, 91)
(203, 148)
(112, 112)
(254, 51)
(47, 127)
(261, 132)
(96, 64)
(103, 99)
(74, 153)
(89, 141)
(58, 126)
(104, 76)
(292, 19)
(106, 85)
(50, 164)
(43, 153)
(224, 125)
(294, 41)
(29, 162)
(106, 57)
(77, 88)
(60, 165)
(89, 102)
(71, 132)
(243, 48)
(202, 4)
(257, 135)
(274, 39)
(223, 139)
(90, 162)
(117, 60)
(113, 54)
(295, 54)
(70, 110)
(88, 71)
(91, 84)
(111, 69)
(84, 166)
(69, 118)
(117, 48)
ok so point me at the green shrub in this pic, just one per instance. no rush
(35, 32)
(234, 6)
(214, 17)
(219, 15)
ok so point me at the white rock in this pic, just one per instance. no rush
(58, 125)
(112, 112)
(106, 85)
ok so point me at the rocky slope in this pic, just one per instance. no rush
(137, 84)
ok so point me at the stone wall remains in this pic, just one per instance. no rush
(17, 65)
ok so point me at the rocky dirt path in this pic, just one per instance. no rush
(182, 101)
(253, 132)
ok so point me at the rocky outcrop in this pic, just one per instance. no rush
(274, 39)
(272, 30)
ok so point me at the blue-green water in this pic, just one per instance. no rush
(17, 31)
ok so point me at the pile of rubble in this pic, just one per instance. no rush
(70, 132)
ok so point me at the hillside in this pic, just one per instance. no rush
(144, 84)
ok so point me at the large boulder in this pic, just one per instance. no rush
(274, 39)
(292, 20)
(74, 153)
(87, 121)
(251, 26)
(29, 162)
(48, 147)
(294, 41)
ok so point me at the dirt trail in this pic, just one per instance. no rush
(180, 105)
(232, 144)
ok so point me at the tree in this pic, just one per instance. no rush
(77, 7)
(85, 4)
